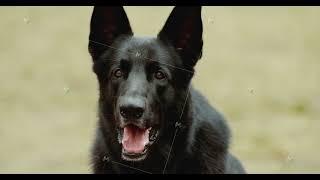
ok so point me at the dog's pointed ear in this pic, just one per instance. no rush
(183, 29)
(107, 23)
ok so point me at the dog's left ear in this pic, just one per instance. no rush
(183, 30)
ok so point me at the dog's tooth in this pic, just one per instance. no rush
(153, 136)
(119, 136)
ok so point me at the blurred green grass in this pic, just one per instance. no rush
(260, 68)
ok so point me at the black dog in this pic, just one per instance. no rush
(150, 118)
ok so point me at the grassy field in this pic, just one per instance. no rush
(260, 68)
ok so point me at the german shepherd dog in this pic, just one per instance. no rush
(151, 120)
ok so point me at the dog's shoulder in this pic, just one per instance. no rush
(209, 135)
(233, 165)
(207, 117)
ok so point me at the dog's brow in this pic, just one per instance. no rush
(124, 61)
(153, 63)
(116, 49)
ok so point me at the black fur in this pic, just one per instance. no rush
(201, 135)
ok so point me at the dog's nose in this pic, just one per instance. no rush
(131, 112)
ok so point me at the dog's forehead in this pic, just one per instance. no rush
(141, 43)
(143, 48)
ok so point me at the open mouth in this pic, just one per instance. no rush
(136, 141)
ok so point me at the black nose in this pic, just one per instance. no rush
(131, 112)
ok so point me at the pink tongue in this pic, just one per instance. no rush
(134, 139)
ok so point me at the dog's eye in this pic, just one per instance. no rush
(159, 75)
(118, 73)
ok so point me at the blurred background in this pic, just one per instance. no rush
(260, 68)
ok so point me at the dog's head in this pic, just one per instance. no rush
(143, 81)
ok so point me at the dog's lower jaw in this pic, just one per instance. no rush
(134, 157)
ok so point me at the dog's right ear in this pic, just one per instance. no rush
(107, 24)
